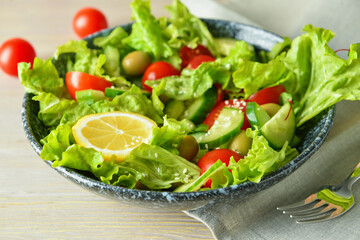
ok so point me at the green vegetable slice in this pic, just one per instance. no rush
(281, 127)
(226, 126)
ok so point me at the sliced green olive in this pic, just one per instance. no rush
(271, 108)
(188, 147)
(241, 143)
(135, 63)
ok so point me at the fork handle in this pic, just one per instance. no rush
(354, 176)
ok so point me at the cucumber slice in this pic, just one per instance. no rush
(201, 106)
(256, 115)
(89, 96)
(281, 127)
(174, 108)
(226, 126)
(285, 98)
(113, 92)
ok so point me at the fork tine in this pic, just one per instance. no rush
(318, 217)
(307, 212)
(309, 202)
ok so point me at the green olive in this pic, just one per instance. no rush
(135, 63)
(271, 108)
(241, 143)
(188, 148)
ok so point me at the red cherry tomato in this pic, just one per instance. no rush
(211, 157)
(14, 51)
(158, 70)
(87, 21)
(220, 93)
(267, 95)
(235, 103)
(186, 54)
(77, 81)
(199, 59)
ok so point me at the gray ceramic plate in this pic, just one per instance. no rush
(315, 133)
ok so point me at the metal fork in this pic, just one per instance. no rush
(328, 203)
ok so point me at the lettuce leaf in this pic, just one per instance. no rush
(131, 101)
(86, 59)
(260, 160)
(57, 142)
(88, 159)
(43, 77)
(218, 172)
(322, 78)
(114, 50)
(241, 50)
(147, 34)
(76, 56)
(54, 110)
(171, 134)
(159, 168)
(187, 29)
(252, 76)
(193, 83)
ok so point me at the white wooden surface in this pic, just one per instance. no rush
(35, 201)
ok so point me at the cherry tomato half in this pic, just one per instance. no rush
(14, 51)
(235, 103)
(158, 70)
(186, 54)
(77, 81)
(87, 21)
(211, 157)
(199, 59)
(267, 95)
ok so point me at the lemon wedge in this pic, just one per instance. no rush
(114, 134)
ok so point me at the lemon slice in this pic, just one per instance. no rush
(114, 134)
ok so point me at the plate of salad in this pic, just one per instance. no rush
(179, 111)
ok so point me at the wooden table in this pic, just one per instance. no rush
(35, 201)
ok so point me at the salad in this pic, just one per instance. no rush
(168, 107)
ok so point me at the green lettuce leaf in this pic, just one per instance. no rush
(159, 168)
(252, 76)
(43, 77)
(187, 29)
(193, 83)
(279, 48)
(88, 159)
(171, 133)
(86, 59)
(54, 110)
(322, 78)
(115, 38)
(59, 146)
(260, 160)
(131, 101)
(114, 50)
(241, 50)
(57, 142)
(91, 61)
(147, 34)
(218, 172)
